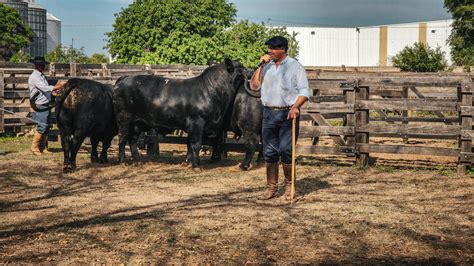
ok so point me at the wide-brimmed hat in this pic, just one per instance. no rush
(39, 60)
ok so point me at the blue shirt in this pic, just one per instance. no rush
(283, 85)
(37, 83)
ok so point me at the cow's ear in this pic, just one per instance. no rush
(229, 65)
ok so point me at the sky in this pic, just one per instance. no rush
(87, 20)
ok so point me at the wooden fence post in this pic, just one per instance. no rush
(361, 119)
(350, 98)
(2, 97)
(73, 69)
(465, 143)
(405, 113)
(52, 70)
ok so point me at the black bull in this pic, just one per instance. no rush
(197, 105)
(84, 108)
(244, 119)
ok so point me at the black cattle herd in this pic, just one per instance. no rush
(206, 106)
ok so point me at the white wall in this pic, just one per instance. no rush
(344, 46)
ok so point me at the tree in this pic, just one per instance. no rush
(420, 58)
(462, 35)
(188, 32)
(98, 59)
(63, 55)
(169, 31)
(245, 42)
(20, 57)
(14, 35)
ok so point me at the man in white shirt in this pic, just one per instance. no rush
(40, 97)
(284, 89)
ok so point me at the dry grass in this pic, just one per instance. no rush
(161, 211)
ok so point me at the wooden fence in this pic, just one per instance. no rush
(350, 108)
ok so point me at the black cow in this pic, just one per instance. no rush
(196, 105)
(84, 108)
(246, 120)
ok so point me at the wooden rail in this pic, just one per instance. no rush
(362, 102)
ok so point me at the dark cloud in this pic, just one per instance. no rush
(341, 12)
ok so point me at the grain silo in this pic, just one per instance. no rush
(37, 22)
(53, 30)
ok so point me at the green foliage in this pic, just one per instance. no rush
(20, 57)
(245, 42)
(462, 35)
(167, 28)
(98, 59)
(14, 35)
(62, 55)
(420, 58)
(188, 32)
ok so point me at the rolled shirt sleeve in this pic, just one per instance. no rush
(302, 83)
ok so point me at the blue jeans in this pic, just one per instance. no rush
(276, 135)
(44, 118)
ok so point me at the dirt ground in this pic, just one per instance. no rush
(399, 211)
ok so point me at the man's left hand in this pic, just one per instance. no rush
(293, 113)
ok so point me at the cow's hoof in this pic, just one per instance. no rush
(103, 160)
(197, 169)
(245, 167)
(95, 160)
(68, 169)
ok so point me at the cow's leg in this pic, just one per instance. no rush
(195, 133)
(105, 147)
(217, 148)
(94, 153)
(133, 142)
(76, 145)
(66, 143)
(189, 154)
(251, 141)
(123, 138)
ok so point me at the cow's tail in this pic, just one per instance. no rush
(70, 85)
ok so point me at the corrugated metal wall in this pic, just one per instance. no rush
(323, 46)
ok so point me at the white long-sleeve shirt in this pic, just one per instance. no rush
(37, 83)
(283, 85)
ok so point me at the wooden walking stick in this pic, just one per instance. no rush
(293, 157)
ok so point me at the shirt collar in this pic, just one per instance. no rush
(282, 62)
(38, 72)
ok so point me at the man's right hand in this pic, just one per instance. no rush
(59, 86)
(266, 58)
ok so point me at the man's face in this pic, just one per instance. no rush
(276, 53)
(40, 68)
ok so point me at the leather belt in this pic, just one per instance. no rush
(279, 107)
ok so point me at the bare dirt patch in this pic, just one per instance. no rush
(161, 211)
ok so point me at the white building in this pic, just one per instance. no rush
(367, 46)
(53, 29)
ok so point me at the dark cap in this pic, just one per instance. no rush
(277, 42)
(39, 60)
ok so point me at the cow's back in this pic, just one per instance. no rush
(87, 107)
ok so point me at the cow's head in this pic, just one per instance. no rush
(236, 71)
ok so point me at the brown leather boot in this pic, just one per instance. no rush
(272, 181)
(36, 144)
(44, 144)
(287, 172)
